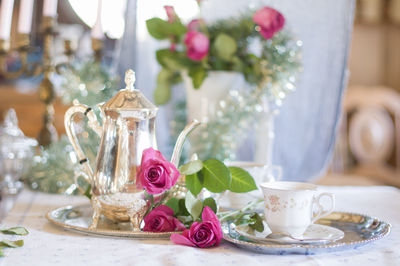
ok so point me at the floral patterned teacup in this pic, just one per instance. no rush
(290, 207)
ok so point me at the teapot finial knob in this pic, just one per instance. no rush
(130, 79)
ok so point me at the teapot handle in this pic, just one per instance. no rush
(70, 130)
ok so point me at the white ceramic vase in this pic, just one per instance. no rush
(202, 103)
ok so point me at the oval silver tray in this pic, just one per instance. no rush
(359, 230)
(79, 218)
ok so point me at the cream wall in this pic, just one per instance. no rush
(375, 55)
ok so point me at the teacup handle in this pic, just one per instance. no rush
(321, 212)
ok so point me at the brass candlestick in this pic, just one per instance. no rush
(97, 47)
(48, 133)
(46, 67)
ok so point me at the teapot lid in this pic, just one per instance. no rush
(130, 99)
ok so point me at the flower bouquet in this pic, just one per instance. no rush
(191, 213)
(256, 46)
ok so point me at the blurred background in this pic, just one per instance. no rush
(367, 149)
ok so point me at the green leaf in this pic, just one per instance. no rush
(194, 183)
(193, 205)
(198, 74)
(158, 28)
(242, 181)
(88, 191)
(182, 208)
(216, 175)
(11, 244)
(224, 46)
(173, 203)
(210, 202)
(1, 252)
(162, 94)
(20, 231)
(256, 222)
(177, 28)
(170, 60)
(191, 167)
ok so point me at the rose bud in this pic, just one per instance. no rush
(270, 21)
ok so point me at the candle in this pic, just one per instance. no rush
(25, 16)
(97, 30)
(50, 8)
(5, 18)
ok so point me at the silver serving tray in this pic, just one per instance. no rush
(359, 230)
(79, 218)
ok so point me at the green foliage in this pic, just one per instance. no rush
(225, 46)
(198, 74)
(210, 202)
(191, 167)
(242, 181)
(256, 222)
(194, 183)
(161, 29)
(213, 175)
(216, 176)
(19, 231)
(173, 203)
(157, 28)
(193, 205)
(88, 191)
(11, 244)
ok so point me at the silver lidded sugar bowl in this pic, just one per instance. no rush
(128, 128)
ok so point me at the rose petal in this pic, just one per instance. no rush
(180, 239)
(165, 209)
(209, 215)
(178, 225)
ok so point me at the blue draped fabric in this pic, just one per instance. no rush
(307, 124)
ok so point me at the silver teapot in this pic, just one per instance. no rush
(128, 128)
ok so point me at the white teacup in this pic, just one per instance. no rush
(290, 207)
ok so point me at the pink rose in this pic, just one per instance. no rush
(161, 219)
(205, 234)
(156, 174)
(197, 45)
(269, 20)
(170, 13)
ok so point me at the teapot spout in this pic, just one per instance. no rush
(176, 155)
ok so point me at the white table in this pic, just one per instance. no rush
(51, 245)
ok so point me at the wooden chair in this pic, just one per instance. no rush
(369, 140)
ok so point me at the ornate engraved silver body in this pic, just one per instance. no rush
(128, 129)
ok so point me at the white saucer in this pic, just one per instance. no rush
(315, 234)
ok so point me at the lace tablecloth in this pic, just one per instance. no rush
(51, 245)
